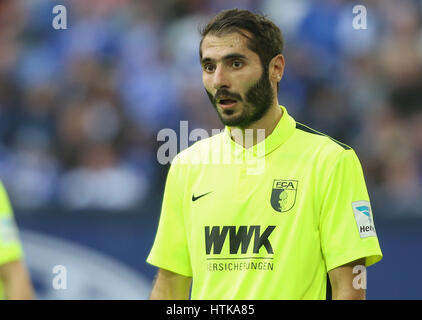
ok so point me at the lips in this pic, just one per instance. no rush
(226, 102)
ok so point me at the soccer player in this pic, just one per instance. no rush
(300, 223)
(15, 283)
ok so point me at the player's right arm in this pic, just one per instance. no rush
(170, 286)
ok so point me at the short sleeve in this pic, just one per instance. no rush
(347, 226)
(10, 247)
(170, 249)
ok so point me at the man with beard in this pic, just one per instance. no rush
(300, 226)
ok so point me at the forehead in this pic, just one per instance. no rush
(215, 46)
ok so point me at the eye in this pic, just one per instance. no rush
(237, 64)
(208, 67)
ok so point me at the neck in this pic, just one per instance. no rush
(259, 130)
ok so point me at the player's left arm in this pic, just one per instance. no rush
(343, 284)
(16, 280)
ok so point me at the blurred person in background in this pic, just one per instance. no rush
(15, 283)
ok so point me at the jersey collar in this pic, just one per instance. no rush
(283, 130)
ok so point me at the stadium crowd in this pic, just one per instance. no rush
(80, 108)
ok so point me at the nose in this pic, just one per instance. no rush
(220, 79)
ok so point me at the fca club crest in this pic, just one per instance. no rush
(283, 195)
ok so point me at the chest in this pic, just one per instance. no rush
(233, 213)
(232, 193)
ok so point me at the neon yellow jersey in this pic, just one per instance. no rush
(271, 222)
(10, 247)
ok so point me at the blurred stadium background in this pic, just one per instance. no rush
(80, 110)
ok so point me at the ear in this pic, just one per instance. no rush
(276, 69)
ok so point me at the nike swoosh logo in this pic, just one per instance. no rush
(202, 195)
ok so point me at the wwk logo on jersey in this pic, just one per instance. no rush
(238, 238)
(283, 195)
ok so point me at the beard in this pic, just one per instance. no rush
(258, 100)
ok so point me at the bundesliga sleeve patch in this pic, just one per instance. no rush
(364, 219)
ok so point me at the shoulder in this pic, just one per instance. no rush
(307, 133)
(320, 147)
(310, 140)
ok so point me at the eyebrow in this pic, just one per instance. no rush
(230, 56)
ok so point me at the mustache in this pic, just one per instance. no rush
(226, 94)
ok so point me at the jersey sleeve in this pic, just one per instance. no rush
(346, 221)
(170, 249)
(10, 247)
